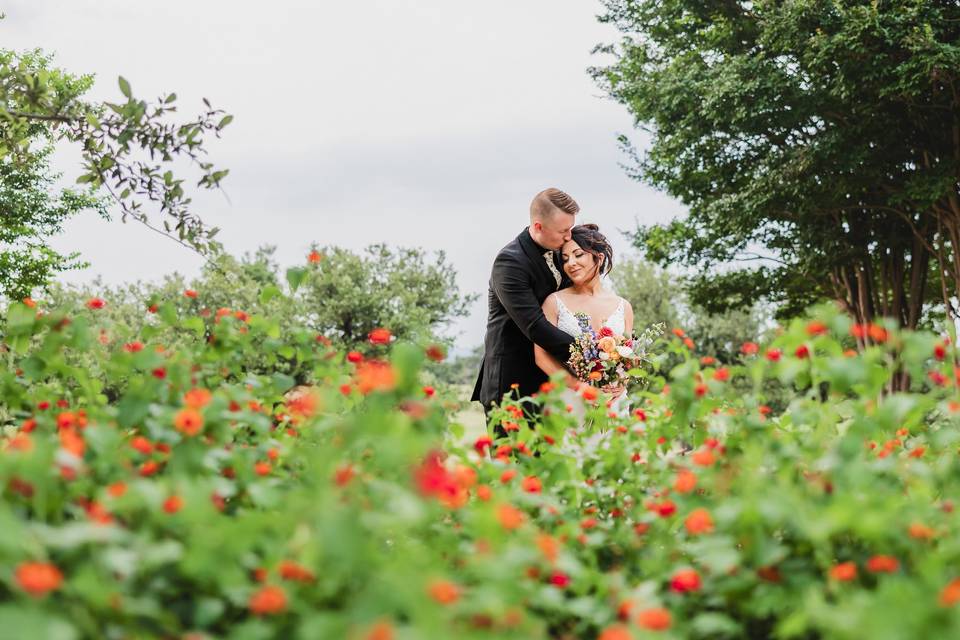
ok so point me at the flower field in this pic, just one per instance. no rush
(151, 492)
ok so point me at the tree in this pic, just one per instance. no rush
(341, 297)
(30, 212)
(819, 139)
(128, 149)
(346, 295)
(657, 296)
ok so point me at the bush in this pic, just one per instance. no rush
(200, 502)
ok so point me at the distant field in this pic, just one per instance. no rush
(471, 417)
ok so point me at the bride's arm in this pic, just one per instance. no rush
(548, 363)
(628, 319)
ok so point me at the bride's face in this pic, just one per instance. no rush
(579, 265)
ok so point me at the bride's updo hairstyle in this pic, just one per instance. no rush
(590, 239)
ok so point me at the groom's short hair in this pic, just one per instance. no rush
(548, 201)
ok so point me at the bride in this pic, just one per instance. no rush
(586, 257)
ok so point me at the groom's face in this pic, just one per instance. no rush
(555, 229)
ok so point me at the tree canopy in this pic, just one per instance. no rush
(816, 144)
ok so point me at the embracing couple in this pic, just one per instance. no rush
(543, 284)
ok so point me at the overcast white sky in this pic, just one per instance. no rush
(428, 123)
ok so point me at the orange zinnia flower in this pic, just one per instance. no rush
(616, 632)
(443, 591)
(71, 441)
(380, 336)
(38, 578)
(375, 375)
(950, 594)
(188, 421)
(655, 619)
(685, 481)
(197, 398)
(699, 521)
(510, 517)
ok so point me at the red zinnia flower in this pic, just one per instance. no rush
(532, 484)
(190, 293)
(844, 572)
(141, 444)
(722, 374)
(173, 504)
(882, 564)
(816, 328)
(314, 257)
(559, 579)
(749, 348)
(290, 570)
(96, 303)
(380, 336)
(685, 581)
(268, 600)
(482, 443)
(773, 355)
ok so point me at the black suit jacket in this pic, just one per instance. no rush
(519, 283)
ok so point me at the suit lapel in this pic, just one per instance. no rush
(535, 256)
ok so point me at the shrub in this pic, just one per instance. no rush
(203, 503)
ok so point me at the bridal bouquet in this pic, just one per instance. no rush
(603, 358)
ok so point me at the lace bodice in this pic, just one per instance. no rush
(566, 321)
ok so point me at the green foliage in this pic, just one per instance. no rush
(657, 296)
(811, 138)
(128, 147)
(341, 298)
(334, 514)
(347, 295)
(31, 213)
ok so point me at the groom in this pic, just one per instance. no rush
(524, 273)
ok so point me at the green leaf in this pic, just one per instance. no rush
(124, 86)
(33, 622)
(268, 293)
(296, 276)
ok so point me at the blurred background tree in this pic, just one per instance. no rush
(657, 295)
(342, 295)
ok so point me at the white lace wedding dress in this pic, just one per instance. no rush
(567, 321)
